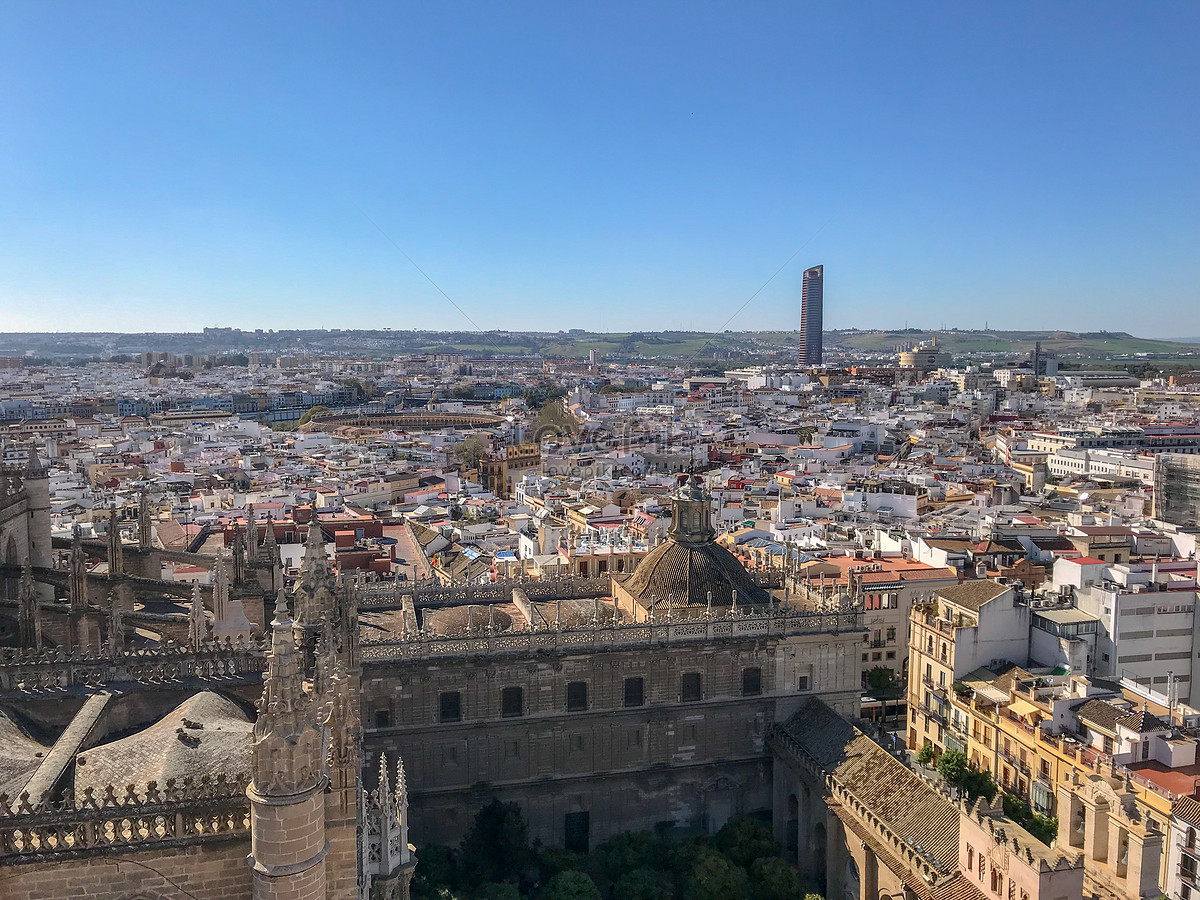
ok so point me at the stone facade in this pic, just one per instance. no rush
(598, 731)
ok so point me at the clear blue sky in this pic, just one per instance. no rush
(167, 166)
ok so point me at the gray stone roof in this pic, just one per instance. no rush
(20, 757)
(205, 735)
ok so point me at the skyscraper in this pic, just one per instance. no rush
(810, 316)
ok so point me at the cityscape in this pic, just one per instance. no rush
(690, 592)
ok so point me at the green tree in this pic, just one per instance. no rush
(979, 784)
(496, 848)
(952, 765)
(312, 413)
(469, 451)
(499, 890)
(611, 388)
(571, 885)
(882, 681)
(715, 877)
(644, 883)
(625, 852)
(773, 878)
(437, 870)
(744, 840)
(463, 391)
(925, 755)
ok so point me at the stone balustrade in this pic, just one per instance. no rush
(27, 670)
(181, 811)
(724, 625)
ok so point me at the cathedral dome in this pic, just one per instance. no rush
(689, 566)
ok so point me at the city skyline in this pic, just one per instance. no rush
(552, 170)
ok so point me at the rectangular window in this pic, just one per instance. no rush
(635, 691)
(690, 687)
(751, 682)
(383, 718)
(512, 702)
(577, 700)
(450, 706)
(577, 826)
(802, 683)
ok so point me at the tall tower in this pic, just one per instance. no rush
(287, 794)
(811, 315)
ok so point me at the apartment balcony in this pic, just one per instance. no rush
(1015, 762)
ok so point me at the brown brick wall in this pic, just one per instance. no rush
(214, 870)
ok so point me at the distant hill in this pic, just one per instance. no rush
(1092, 344)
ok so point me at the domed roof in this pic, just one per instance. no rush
(682, 574)
(205, 735)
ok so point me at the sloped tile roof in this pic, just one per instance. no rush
(1143, 722)
(920, 815)
(973, 594)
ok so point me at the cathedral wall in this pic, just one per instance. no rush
(626, 766)
(212, 870)
(701, 797)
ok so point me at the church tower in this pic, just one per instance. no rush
(287, 793)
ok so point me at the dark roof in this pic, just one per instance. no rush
(1143, 722)
(973, 594)
(920, 815)
(1187, 809)
(679, 574)
(1058, 542)
(1100, 713)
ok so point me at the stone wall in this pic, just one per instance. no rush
(213, 870)
(627, 767)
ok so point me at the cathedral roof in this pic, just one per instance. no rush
(205, 735)
(913, 810)
(21, 757)
(682, 574)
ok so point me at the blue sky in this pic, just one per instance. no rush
(605, 166)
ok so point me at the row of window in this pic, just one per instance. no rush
(512, 699)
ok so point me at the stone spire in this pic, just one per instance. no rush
(390, 858)
(144, 532)
(29, 612)
(314, 593)
(197, 622)
(270, 547)
(288, 839)
(77, 583)
(33, 466)
(115, 561)
(251, 535)
(220, 590)
(239, 557)
(116, 626)
(229, 615)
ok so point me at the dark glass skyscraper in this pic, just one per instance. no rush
(810, 316)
